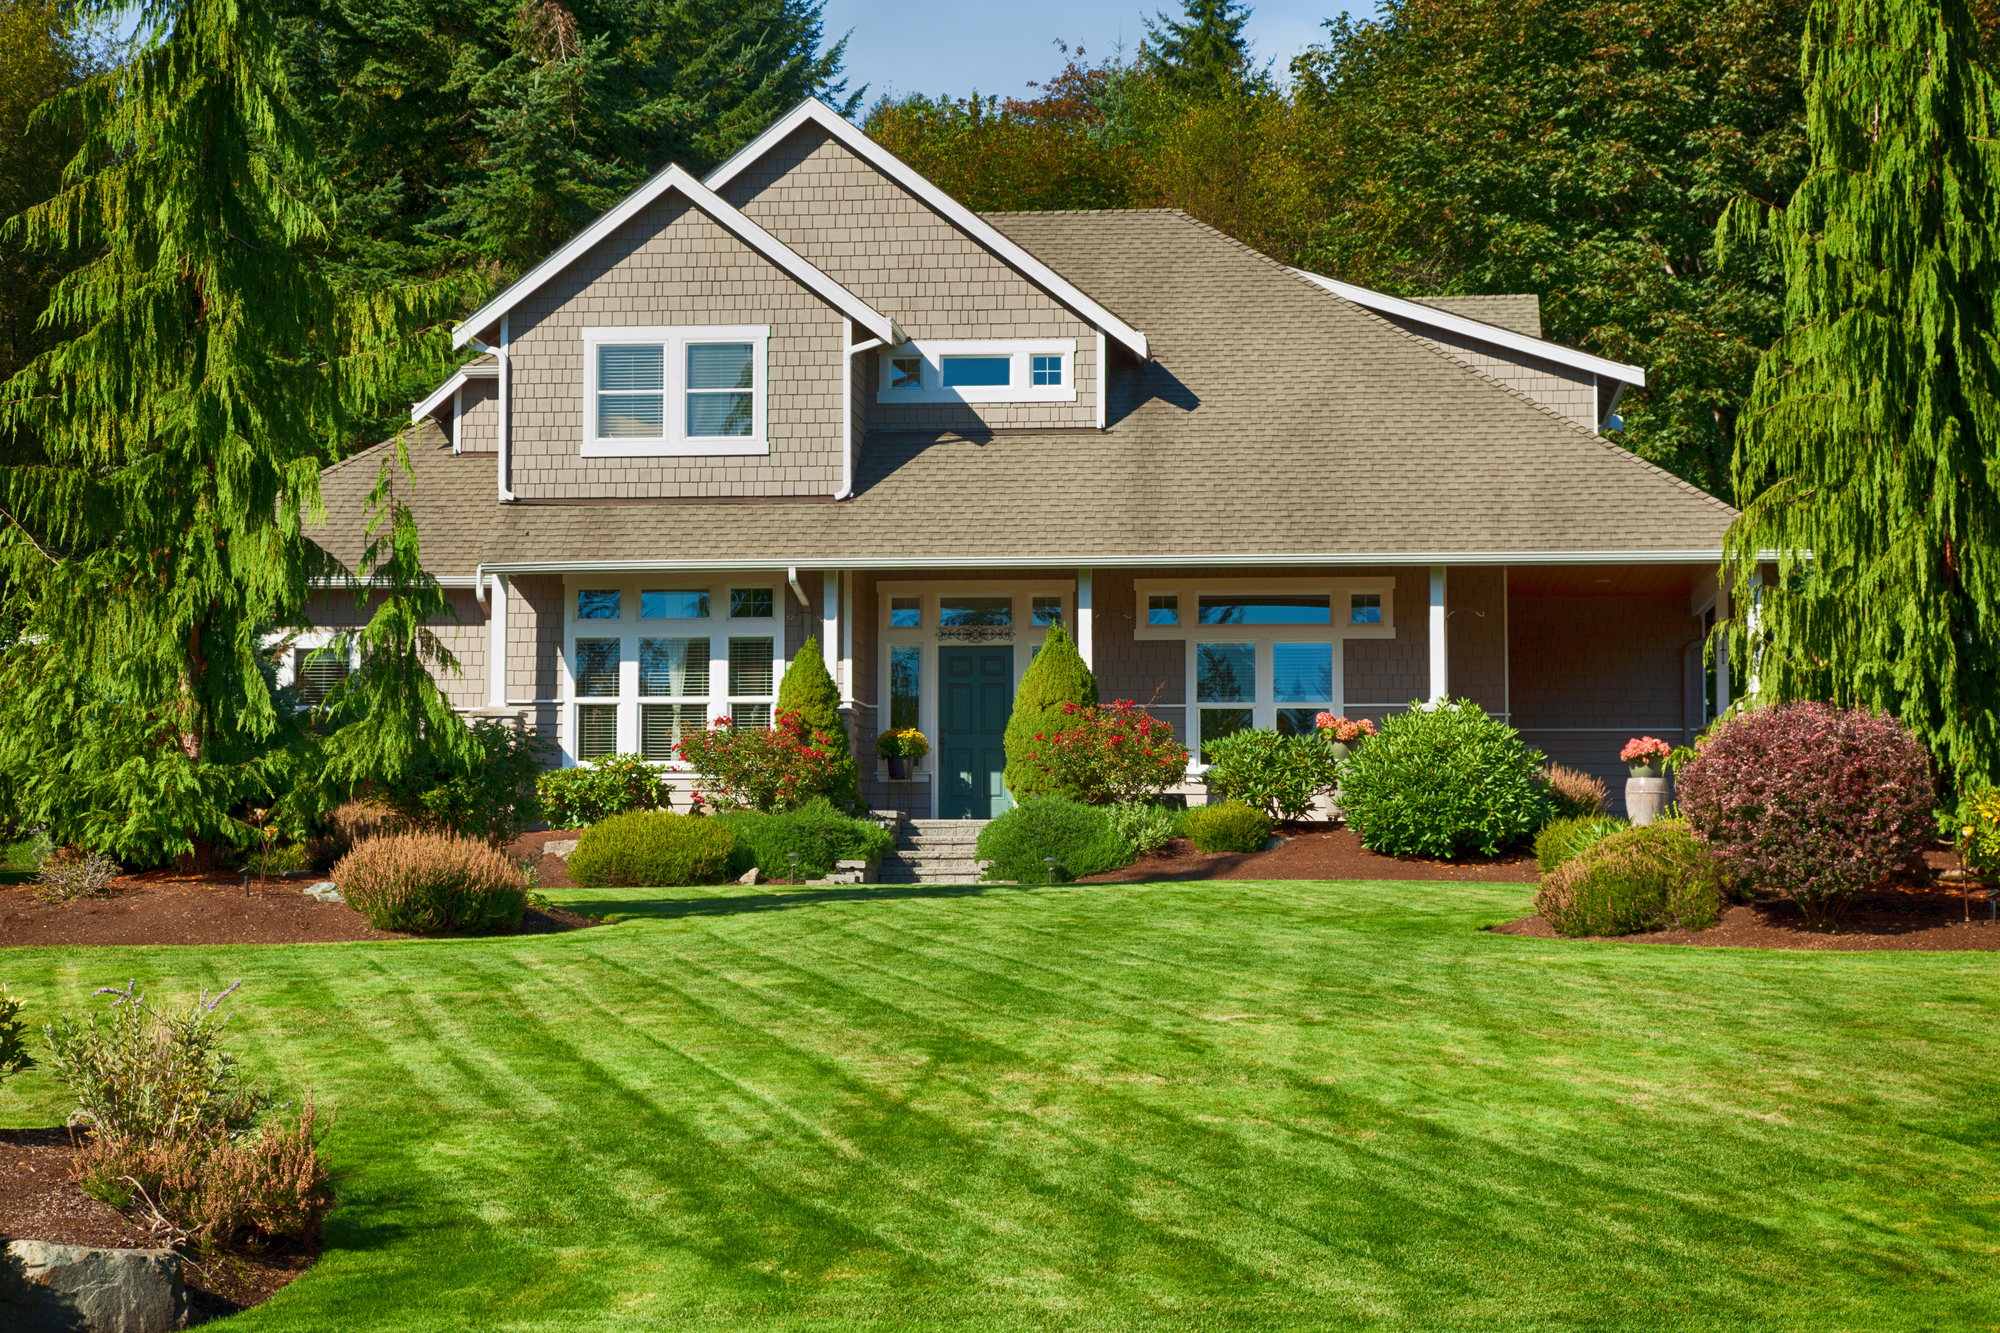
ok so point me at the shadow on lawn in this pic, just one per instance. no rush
(670, 908)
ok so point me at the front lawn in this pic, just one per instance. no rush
(1219, 1105)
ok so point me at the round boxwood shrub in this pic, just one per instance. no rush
(1562, 839)
(433, 884)
(1078, 836)
(820, 834)
(1814, 802)
(652, 849)
(1655, 877)
(1444, 781)
(1229, 826)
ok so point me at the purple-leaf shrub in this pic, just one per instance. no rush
(1814, 802)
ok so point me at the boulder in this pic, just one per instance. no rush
(46, 1286)
(326, 891)
(561, 849)
(750, 876)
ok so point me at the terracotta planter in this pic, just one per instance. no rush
(899, 768)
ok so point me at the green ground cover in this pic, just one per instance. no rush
(1194, 1106)
(17, 861)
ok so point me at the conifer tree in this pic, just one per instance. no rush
(1204, 51)
(808, 690)
(211, 367)
(1056, 677)
(1869, 457)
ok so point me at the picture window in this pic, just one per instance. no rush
(976, 372)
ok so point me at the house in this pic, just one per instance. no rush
(810, 395)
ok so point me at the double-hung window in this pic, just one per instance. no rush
(684, 391)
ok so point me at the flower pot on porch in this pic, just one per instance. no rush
(1649, 769)
(899, 768)
(1645, 797)
(1341, 750)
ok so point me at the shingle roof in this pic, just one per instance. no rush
(452, 497)
(1522, 314)
(1276, 419)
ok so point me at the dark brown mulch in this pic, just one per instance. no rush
(39, 1201)
(1314, 851)
(551, 872)
(161, 907)
(1897, 918)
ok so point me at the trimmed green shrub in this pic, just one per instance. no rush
(1228, 827)
(652, 849)
(1078, 836)
(1056, 677)
(1443, 781)
(433, 884)
(809, 691)
(1562, 839)
(1142, 827)
(1574, 794)
(600, 788)
(1277, 774)
(820, 834)
(492, 797)
(1655, 877)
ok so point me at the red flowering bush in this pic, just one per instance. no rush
(765, 769)
(1812, 801)
(1107, 753)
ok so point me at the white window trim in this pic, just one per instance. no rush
(676, 442)
(308, 641)
(1027, 638)
(629, 628)
(1020, 389)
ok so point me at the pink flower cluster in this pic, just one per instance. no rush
(1345, 730)
(1645, 750)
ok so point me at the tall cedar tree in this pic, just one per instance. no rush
(808, 689)
(1056, 677)
(1870, 451)
(1203, 51)
(210, 370)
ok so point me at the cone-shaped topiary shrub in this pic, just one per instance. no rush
(1657, 877)
(809, 691)
(652, 849)
(1056, 677)
(433, 884)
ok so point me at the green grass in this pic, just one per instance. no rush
(1196, 1106)
(17, 861)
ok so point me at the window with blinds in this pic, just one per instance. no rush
(631, 392)
(673, 668)
(663, 726)
(751, 681)
(597, 668)
(596, 730)
(315, 673)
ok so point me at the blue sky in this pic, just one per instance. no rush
(954, 46)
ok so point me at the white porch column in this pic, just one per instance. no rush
(1083, 616)
(829, 628)
(496, 647)
(1440, 664)
(1721, 650)
(846, 677)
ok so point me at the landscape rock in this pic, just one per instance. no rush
(750, 876)
(326, 891)
(45, 1286)
(560, 850)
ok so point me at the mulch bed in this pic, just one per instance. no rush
(1897, 918)
(1314, 851)
(39, 1201)
(163, 907)
(551, 872)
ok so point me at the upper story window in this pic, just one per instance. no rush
(1041, 370)
(675, 391)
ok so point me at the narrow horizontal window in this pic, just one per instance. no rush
(664, 726)
(906, 612)
(955, 611)
(1048, 371)
(673, 668)
(596, 730)
(1266, 609)
(750, 604)
(976, 372)
(906, 373)
(1225, 673)
(1048, 611)
(631, 397)
(721, 384)
(749, 668)
(597, 604)
(597, 668)
(674, 604)
(1365, 608)
(1163, 610)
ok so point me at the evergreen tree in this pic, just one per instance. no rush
(211, 368)
(1203, 52)
(1869, 454)
(808, 690)
(1056, 677)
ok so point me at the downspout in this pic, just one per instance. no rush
(847, 417)
(506, 441)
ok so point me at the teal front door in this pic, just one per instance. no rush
(977, 686)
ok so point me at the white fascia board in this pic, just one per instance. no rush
(1473, 328)
(419, 411)
(967, 221)
(709, 202)
(667, 564)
